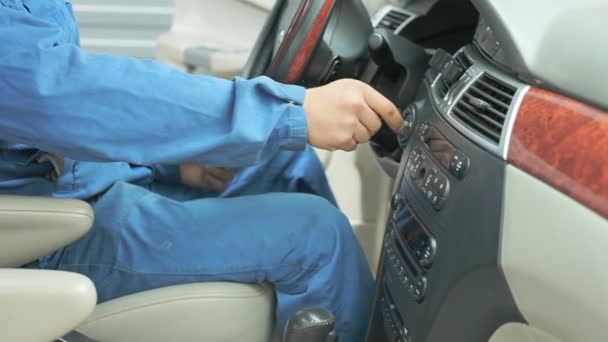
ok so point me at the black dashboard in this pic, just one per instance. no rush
(439, 277)
(485, 40)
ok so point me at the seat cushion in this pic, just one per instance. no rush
(198, 312)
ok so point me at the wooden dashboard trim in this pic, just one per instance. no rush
(564, 143)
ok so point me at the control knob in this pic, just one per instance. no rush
(409, 118)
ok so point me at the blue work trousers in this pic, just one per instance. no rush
(275, 223)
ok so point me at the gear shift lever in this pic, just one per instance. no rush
(310, 325)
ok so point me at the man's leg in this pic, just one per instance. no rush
(300, 243)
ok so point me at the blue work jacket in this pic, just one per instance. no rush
(114, 118)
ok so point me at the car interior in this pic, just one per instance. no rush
(484, 219)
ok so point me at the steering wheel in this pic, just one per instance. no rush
(311, 41)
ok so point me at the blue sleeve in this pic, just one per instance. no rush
(55, 97)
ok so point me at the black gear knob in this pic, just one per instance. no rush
(310, 325)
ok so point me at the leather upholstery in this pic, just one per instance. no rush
(32, 227)
(198, 312)
(40, 305)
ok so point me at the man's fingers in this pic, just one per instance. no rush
(370, 120)
(213, 183)
(361, 133)
(231, 172)
(206, 177)
(348, 145)
(222, 174)
(384, 108)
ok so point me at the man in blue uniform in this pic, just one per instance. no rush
(192, 179)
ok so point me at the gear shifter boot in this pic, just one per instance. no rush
(310, 325)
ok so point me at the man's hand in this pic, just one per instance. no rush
(206, 177)
(346, 113)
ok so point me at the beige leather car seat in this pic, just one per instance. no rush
(40, 306)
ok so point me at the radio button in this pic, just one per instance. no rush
(436, 200)
(441, 185)
(416, 156)
(411, 165)
(426, 257)
(429, 194)
(396, 201)
(459, 164)
(437, 177)
(419, 290)
(417, 294)
(440, 204)
(428, 179)
(424, 128)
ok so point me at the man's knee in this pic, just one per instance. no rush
(317, 238)
(325, 218)
(327, 231)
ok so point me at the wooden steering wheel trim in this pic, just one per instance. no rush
(304, 51)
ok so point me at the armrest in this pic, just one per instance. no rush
(32, 227)
(38, 305)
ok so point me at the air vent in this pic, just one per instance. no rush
(442, 88)
(484, 106)
(464, 60)
(392, 20)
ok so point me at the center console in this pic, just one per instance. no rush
(431, 285)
